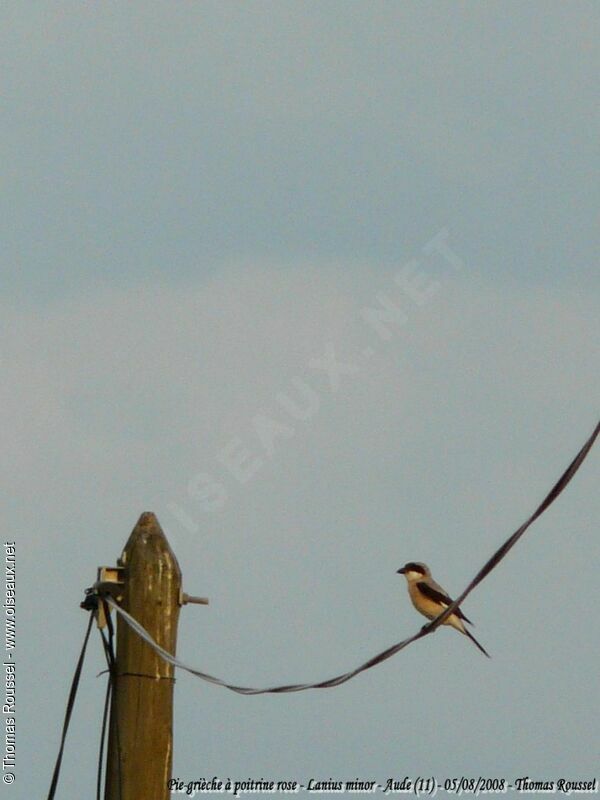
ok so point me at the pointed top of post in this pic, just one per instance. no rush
(147, 536)
(148, 519)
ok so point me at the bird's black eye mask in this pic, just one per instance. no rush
(412, 567)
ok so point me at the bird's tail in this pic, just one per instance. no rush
(475, 642)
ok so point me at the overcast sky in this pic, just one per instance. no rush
(351, 248)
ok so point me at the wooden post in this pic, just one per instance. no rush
(140, 744)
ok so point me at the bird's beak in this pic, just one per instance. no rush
(400, 571)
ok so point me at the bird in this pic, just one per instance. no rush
(431, 600)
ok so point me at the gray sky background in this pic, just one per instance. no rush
(203, 199)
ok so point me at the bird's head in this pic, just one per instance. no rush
(414, 571)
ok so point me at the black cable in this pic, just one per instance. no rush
(108, 644)
(69, 710)
(558, 487)
(103, 736)
(492, 562)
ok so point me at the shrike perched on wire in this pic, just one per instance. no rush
(431, 600)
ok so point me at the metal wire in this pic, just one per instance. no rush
(103, 729)
(492, 562)
(69, 709)
(108, 643)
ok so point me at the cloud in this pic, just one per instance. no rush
(115, 382)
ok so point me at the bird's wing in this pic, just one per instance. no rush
(435, 592)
